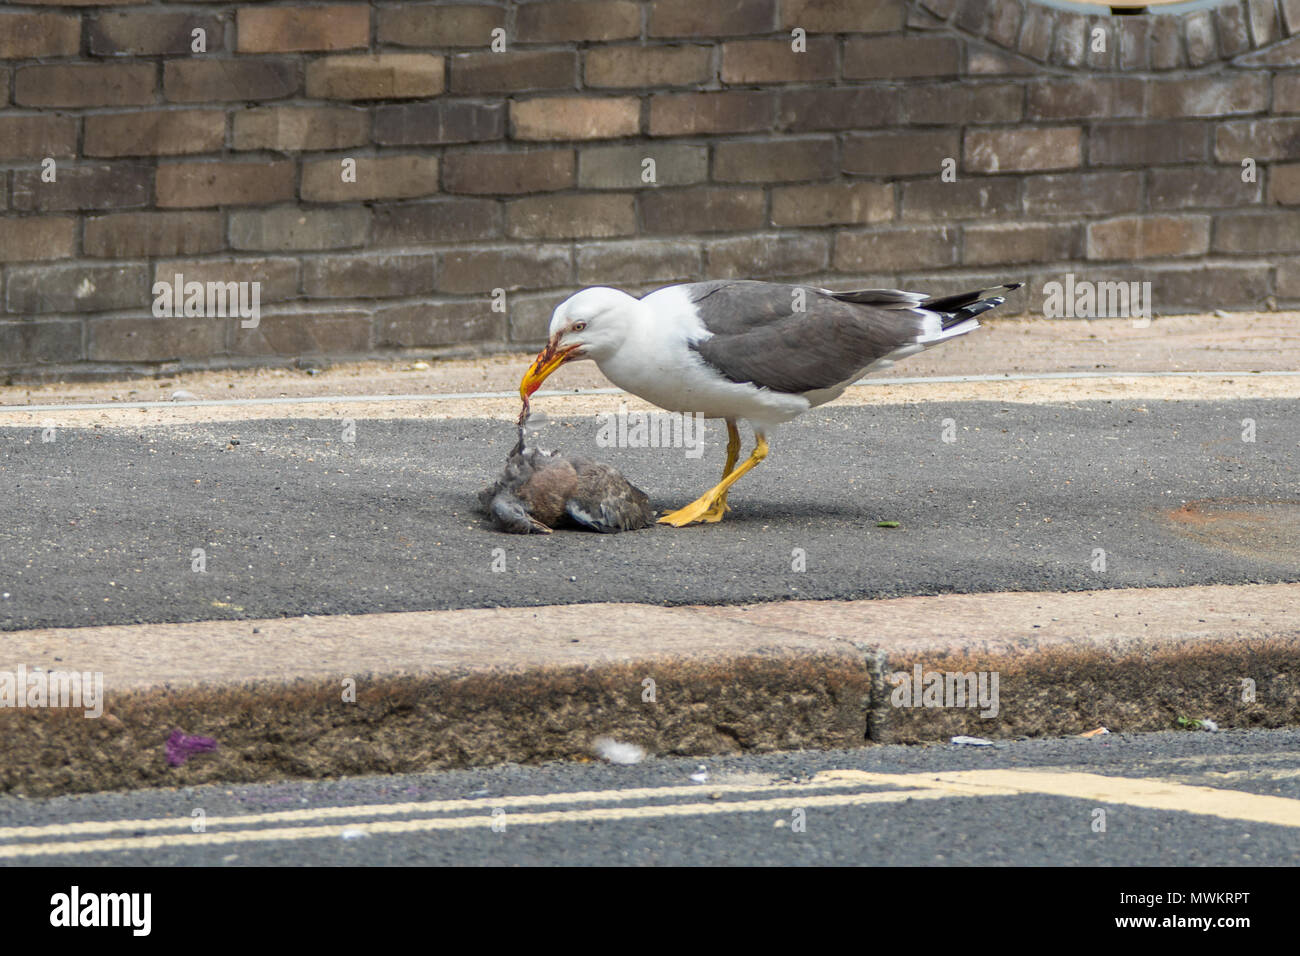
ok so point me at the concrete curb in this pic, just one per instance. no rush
(476, 687)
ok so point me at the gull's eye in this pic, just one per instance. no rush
(579, 326)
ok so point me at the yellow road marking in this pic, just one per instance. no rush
(485, 820)
(1150, 793)
(425, 806)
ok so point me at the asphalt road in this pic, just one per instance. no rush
(596, 813)
(99, 526)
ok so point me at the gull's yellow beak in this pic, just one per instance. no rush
(547, 361)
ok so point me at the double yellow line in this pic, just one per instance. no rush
(68, 839)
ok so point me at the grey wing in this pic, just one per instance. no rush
(761, 337)
(605, 501)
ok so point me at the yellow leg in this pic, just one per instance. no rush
(711, 505)
(733, 455)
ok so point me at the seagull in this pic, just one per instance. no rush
(763, 352)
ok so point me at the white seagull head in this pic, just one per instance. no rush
(591, 324)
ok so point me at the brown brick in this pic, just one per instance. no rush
(1258, 139)
(78, 288)
(1083, 194)
(88, 186)
(774, 61)
(1149, 237)
(687, 114)
(153, 340)
(622, 167)
(1230, 24)
(1208, 96)
(365, 276)
(530, 315)
(482, 270)
(443, 220)
(291, 228)
(1134, 43)
(1284, 184)
(930, 199)
(524, 71)
(298, 29)
(26, 36)
(85, 85)
(1166, 44)
(843, 16)
(638, 66)
(1036, 33)
(1286, 92)
(690, 18)
(1264, 25)
(279, 276)
(1069, 47)
(1288, 279)
(764, 256)
(637, 261)
(1149, 145)
(1193, 288)
(1017, 150)
(36, 137)
(900, 154)
(1199, 186)
(446, 121)
(31, 239)
(991, 62)
(889, 250)
(1199, 35)
(832, 204)
(289, 129)
(433, 326)
(804, 110)
(345, 332)
(475, 171)
(124, 235)
(573, 21)
(1086, 98)
(599, 216)
(382, 177)
(187, 185)
(428, 25)
(959, 103)
(366, 76)
(891, 58)
(152, 33)
(155, 133)
(787, 160)
(27, 343)
(684, 211)
(1258, 232)
(1004, 242)
(194, 81)
(575, 117)
(1291, 15)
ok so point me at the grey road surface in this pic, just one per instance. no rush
(105, 525)
(598, 813)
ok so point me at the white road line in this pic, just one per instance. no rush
(463, 396)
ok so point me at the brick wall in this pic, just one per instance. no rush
(524, 170)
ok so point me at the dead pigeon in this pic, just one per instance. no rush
(542, 489)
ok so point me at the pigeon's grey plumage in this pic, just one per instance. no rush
(539, 490)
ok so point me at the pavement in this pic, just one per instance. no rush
(302, 578)
(1177, 798)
